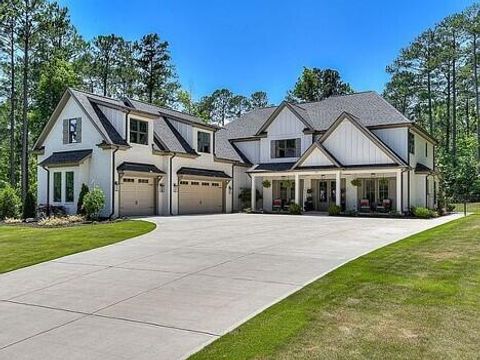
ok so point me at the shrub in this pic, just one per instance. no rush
(93, 202)
(245, 196)
(334, 210)
(424, 213)
(295, 209)
(61, 220)
(29, 206)
(9, 203)
(83, 191)
(450, 207)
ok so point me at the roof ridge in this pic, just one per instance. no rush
(337, 96)
(91, 93)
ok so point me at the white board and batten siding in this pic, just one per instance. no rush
(251, 149)
(317, 158)
(351, 146)
(185, 130)
(285, 126)
(117, 118)
(396, 139)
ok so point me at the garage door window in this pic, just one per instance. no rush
(128, 180)
(195, 183)
(183, 182)
(143, 181)
(216, 184)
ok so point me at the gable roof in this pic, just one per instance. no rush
(299, 112)
(370, 108)
(370, 135)
(321, 148)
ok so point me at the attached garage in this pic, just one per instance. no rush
(201, 191)
(137, 189)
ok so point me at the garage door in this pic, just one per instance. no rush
(200, 197)
(137, 196)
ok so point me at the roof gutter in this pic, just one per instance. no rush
(171, 183)
(113, 182)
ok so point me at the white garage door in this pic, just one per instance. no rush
(137, 196)
(200, 197)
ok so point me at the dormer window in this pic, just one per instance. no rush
(138, 132)
(203, 142)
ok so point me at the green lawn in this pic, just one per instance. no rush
(25, 245)
(471, 207)
(416, 299)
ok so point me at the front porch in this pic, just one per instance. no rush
(365, 191)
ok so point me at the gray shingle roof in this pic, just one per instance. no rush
(139, 167)
(203, 172)
(73, 157)
(369, 107)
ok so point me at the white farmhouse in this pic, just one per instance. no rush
(356, 151)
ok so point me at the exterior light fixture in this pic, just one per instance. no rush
(175, 187)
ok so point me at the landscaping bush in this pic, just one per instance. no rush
(9, 203)
(424, 213)
(93, 203)
(334, 210)
(450, 207)
(295, 209)
(245, 196)
(83, 191)
(61, 220)
(29, 206)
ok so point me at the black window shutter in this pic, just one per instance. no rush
(298, 147)
(79, 130)
(65, 131)
(272, 149)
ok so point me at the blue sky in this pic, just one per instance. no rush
(253, 45)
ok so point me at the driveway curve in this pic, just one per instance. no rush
(166, 294)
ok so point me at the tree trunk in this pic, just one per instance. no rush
(467, 115)
(12, 105)
(429, 85)
(477, 99)
(454, 97)
(447, 125)
(26, 50)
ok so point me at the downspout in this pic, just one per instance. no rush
(233, 184)
(48, 189)
(171, 182)
(113, 182)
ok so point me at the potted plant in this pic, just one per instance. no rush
(356, 182)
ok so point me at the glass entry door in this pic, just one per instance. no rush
(326, 194)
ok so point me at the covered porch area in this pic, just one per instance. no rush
(353, 190)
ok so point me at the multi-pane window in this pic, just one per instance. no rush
(383, 189)
(69, 187)
(72, 131)
(411, 143)
(285, 148)
(57, 187)
(203, 142)
(138, 132)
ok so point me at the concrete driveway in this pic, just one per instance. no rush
(167, 294)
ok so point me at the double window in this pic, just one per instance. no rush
(69, 187)
(285, 148)
(203, 142)
(138, 132)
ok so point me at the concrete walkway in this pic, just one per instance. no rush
(167, 294)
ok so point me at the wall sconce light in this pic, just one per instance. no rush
(175, 187)
(116, 185)
(372, 174)
(230, 189)
(162, 187)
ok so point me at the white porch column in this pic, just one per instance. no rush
(297, 189)
(399, 191)
(338, 191)
(254, 194)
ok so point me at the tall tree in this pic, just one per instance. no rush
(258, 99)
(317, 84)
(105, 52)
(31, 15)
(156, 71)
(8, 39)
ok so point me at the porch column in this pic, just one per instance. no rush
(338, 191)
(254, 194)
(399, 190)
(297, 189)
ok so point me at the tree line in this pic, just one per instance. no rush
(435, 81)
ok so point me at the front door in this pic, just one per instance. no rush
(326, 194)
